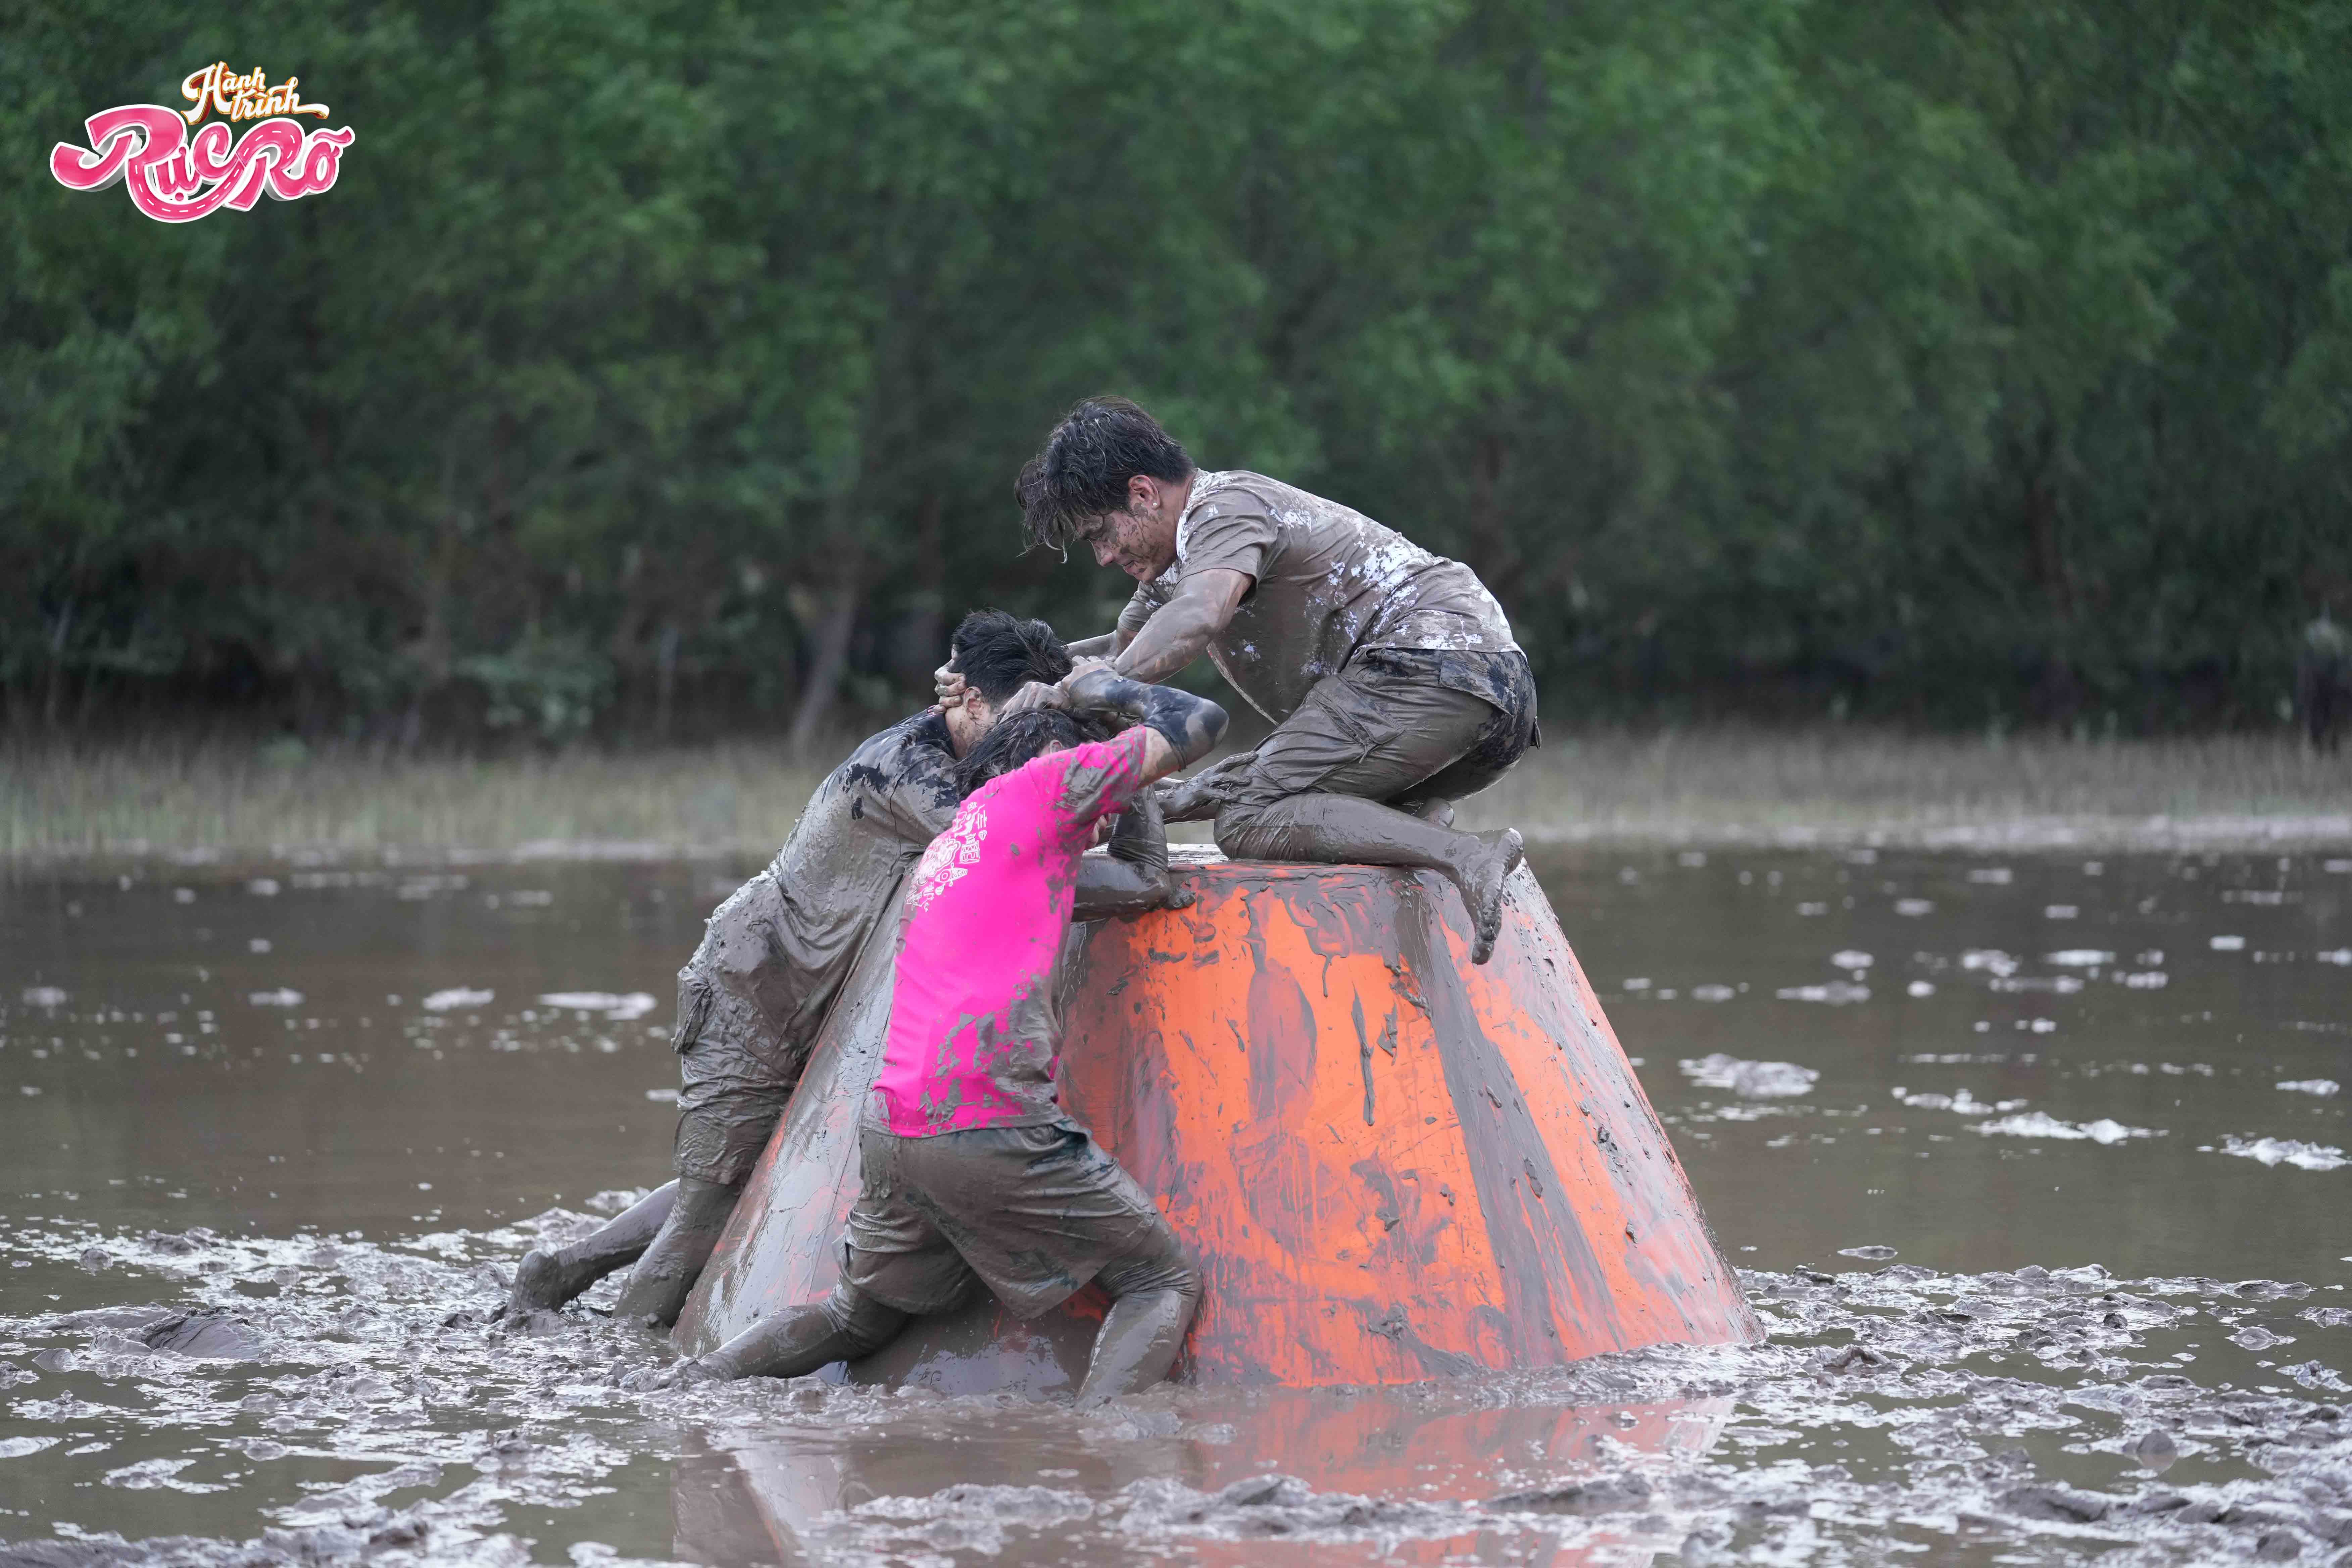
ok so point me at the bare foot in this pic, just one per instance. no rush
(1500, 855)
(541, 1284)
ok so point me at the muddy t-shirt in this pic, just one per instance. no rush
(787, 950)
(975, 1040)
(1331, 581)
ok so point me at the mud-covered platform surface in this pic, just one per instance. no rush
(2053, 1267)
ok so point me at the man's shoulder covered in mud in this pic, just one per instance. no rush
(1229, 492)
(897, 784)
(912, 759)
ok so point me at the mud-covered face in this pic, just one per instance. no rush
(969, 720)
(1141, 541)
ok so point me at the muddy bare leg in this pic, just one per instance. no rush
(843, 1326)
(1345, 829)
(1152, 1298)
(657, 1289)
(546, 1279)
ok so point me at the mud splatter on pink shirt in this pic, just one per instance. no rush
(975, 1040)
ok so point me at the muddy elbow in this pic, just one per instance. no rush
(1108, 886)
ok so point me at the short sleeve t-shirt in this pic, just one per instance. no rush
(975, 1039)
(1331, 581)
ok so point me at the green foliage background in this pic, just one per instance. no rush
(663, 368)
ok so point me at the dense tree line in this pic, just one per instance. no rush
(656, 367)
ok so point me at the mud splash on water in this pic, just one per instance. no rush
(356, 1399)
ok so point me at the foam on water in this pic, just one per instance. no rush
(2040, 1124)
(1891, 1411)
(457, 997)
(1754, 1081)
(2286, 1152)
(619, 1008)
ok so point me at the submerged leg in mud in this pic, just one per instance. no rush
(844, 1326)
(664, 1276)
(1152, 1298)
(1343, 829)
(545, 1280)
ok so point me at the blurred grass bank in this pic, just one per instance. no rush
(1836, 784)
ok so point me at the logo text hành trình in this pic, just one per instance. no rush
(176, 177)
(248, 97)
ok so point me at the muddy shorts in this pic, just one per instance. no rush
(1033, 1213)
(1400, 726)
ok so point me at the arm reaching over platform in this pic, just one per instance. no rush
(1133, 879)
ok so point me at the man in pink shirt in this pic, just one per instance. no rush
(971, 1167)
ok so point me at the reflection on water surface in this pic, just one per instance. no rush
(2036, 1163)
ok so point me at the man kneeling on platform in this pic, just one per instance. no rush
(1390, 673)
(971, 1165)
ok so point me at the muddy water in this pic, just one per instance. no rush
(2051, 1263)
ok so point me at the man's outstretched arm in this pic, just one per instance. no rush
(1179, 631)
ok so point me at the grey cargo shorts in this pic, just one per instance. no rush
(1035, 1212)
(1399, 726)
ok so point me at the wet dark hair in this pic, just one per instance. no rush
(1082, 472)
(997, 653)
(1012, 742)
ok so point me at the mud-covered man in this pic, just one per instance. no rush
(775, 953)
(971, 1168)
(1391, 673)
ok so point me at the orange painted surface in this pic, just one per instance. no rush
(1392, 1165)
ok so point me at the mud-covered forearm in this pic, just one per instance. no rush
(1177, 634)
(1109, 888)
(1107, 646)
(1141, 837)
(1191, 725)
(1134, 878)
(1179, 631)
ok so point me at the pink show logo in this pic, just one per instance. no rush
(178, 178)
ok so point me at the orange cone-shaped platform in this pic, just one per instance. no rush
(1392, 1165)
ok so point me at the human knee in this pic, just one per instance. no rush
(860, 1320)
(698, 1199)
(1251, 830)
(1167, 1268)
